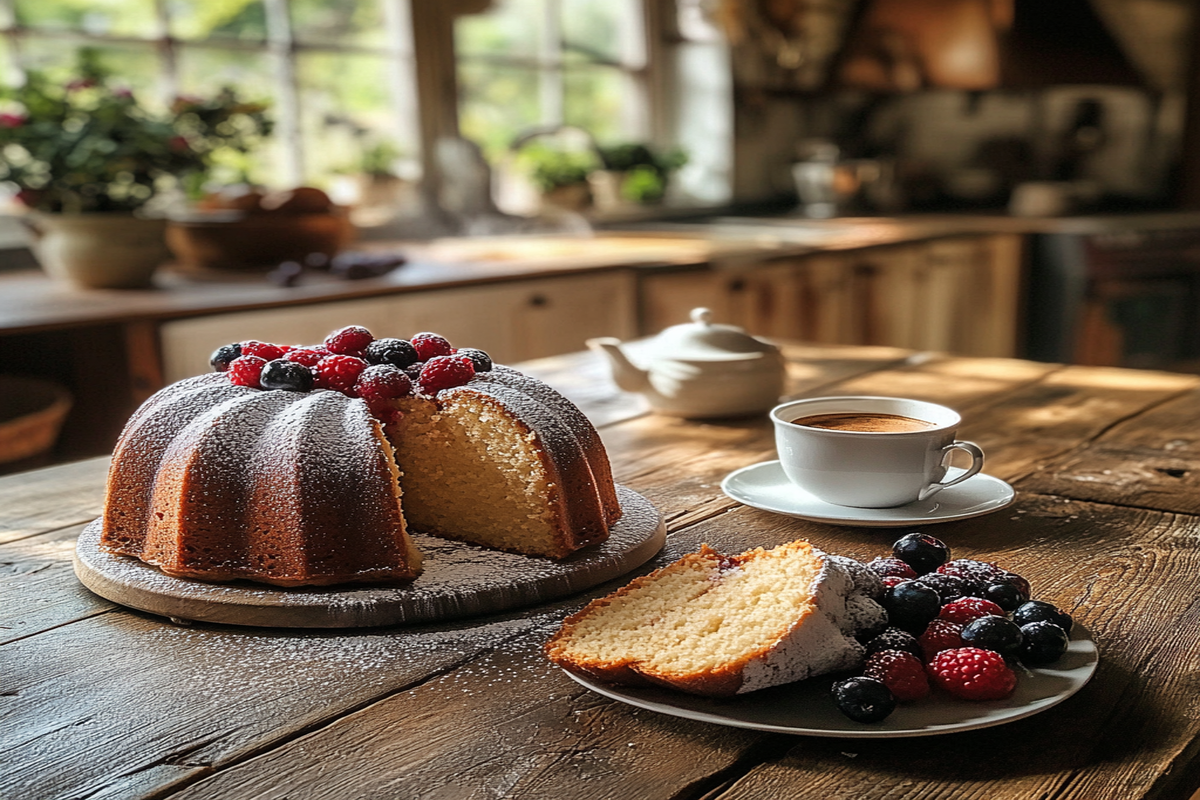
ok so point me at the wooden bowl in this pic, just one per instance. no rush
(32, 411)
(256, 242)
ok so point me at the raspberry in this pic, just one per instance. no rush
(901, 672)
(383, 382)
(892, 567)
(223, 356)
(892, 580)
(308, 356)
(969, 609)
(339, 373)
(246, 370)
(443, 372)
(267, 352)
(973, 674)
(939, 635)
(429, 345)
(350, 340)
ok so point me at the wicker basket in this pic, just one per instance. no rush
(32, 411)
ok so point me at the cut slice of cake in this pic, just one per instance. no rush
(722, 625)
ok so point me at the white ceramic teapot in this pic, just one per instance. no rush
(700, 369)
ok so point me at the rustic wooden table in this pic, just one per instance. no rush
(98, 701)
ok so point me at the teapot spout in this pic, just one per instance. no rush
(627, 376)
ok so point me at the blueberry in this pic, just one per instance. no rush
(1016, 581)
(223, 356)
(911, 605)
(1004, 595)
(920, 551)
(993, 633)
(1044, 643)
(287, 375)
(397, 352)
(894, 639)
(948, 587)
(481, 360)
(1039, 611)
(863, 699)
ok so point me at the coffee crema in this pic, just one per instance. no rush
(864, 422)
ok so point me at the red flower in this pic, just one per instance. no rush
(12, 120)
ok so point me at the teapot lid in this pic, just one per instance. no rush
(702, 340)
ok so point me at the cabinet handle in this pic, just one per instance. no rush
(539, 300)
(738, 285)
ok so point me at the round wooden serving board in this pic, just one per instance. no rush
(459, 580)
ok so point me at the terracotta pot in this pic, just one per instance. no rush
(98, 251)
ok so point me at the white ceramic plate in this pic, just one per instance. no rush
(765, 486)
(807, 708)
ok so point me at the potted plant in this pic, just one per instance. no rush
(634, 173)
(87, 158)
(560, 175)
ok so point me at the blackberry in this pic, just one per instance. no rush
(289, 376)
(397, 352)
(920, 551)
(999, 634)
(1043, 643)
(977, 574)
(911, 605)
(1040, 611)
(1017, 582)
(481, 360)
(864, 699)
(894, 639)
(948, 587)
(224, 355)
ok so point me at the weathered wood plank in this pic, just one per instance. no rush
(55, 497)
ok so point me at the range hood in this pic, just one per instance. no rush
(904, 45)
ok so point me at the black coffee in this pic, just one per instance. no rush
(863, 422)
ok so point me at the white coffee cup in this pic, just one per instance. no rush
(869, 469)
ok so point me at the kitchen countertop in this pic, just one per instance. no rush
(98, 700)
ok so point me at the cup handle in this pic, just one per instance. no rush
(972, 449)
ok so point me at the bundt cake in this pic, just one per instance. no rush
(719, 625)
(309, 465)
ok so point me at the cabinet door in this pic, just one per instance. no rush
(667, 299)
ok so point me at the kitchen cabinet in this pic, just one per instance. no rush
(957, 294)
(512, 321)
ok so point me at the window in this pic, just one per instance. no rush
(527, 64)
(339, 75)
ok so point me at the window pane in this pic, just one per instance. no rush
(497, 104)
(347, 113)
(346, 22)
(510, 28)
(99, 17)
(601, 100)
(132, 65)
(218, 19)
(607, 31)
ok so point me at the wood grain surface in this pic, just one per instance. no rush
(98, 701)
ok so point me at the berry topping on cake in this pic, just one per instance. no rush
(430, 345)
(339, 373)
(265, 351)
(308, 356)
(350, 340)
(445, 372)
(973, 674)
(969, 609)
(894, 639)
(481, 360)
(287, 375)
(223, 356)
(383, 382)
(911, 605)
(901, 672)
(245, 370)
(941, 634)
(948, 587)
(1042, 643)
(891, 567)
(1040, 611)
(920, 551)
(863, 699)
(993, 633)
(397, 352)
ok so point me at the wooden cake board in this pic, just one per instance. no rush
(458, 580)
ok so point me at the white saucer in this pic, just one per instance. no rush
(765, 486)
